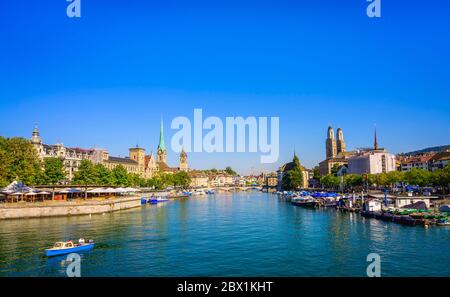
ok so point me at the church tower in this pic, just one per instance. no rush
(331, 145)
(138, 154)
(183, 161)
(36, 141)
(375, 143)
(162, 152)
(341, 147)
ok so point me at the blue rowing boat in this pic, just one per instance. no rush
(63, 248)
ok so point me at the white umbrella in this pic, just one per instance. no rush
(132, 190)
(64, 191)
(17, 187)
(44, 193)
(96, 191)
(110, 190)
(30, 194)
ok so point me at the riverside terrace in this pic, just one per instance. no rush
(17, 192)
(21, 201)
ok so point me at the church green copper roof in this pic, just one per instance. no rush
(162, 144)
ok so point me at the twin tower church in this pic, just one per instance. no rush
(137, 162)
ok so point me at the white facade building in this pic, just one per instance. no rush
(371, 162)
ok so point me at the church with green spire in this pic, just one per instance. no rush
(161, 156)
(162, 152)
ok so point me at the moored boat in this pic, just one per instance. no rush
(63, 248)
(442, 222)
(307, 202)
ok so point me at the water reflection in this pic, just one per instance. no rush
(238, 234)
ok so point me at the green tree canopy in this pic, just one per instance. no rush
(353, 180)
(317, 175)
(419, 177)
(103, 175)
(394, 177)
(53, 171)
(441, 177)
(293, 179)
(86, 174)
(19, 161)
(230, 171)
(182, 179)
(120, 177)
(330, 181)
(335, 169)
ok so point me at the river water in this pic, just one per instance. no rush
(239, 234)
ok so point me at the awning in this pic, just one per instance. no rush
(96, 191)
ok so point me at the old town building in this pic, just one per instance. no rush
(137, 161)
(372, 161)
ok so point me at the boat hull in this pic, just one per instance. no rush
(77, 249)
(309, 204)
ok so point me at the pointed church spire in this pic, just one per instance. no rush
(375, 144)
(162, 144)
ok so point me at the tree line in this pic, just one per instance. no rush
(415, 177)
(20, 161)
(97, 174)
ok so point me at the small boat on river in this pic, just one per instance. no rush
(156, 200)
(63, 248)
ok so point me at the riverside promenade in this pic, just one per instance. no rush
(67, 208)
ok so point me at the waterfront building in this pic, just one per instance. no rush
(402, 201)
(430, 161)
(198, 179)
(271, 180)
(137, 161)
(419, 162)
(372, 161)
(221, 180)
(241, 181)
(439, 160)
(71, 157)
(336, 151)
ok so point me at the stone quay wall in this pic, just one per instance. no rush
(72, 208)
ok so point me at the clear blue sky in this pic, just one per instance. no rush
(106, 79)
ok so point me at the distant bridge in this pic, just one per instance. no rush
(231, 189)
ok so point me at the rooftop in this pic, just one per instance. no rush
(121, 160)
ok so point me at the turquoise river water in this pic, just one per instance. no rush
(240, 234)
